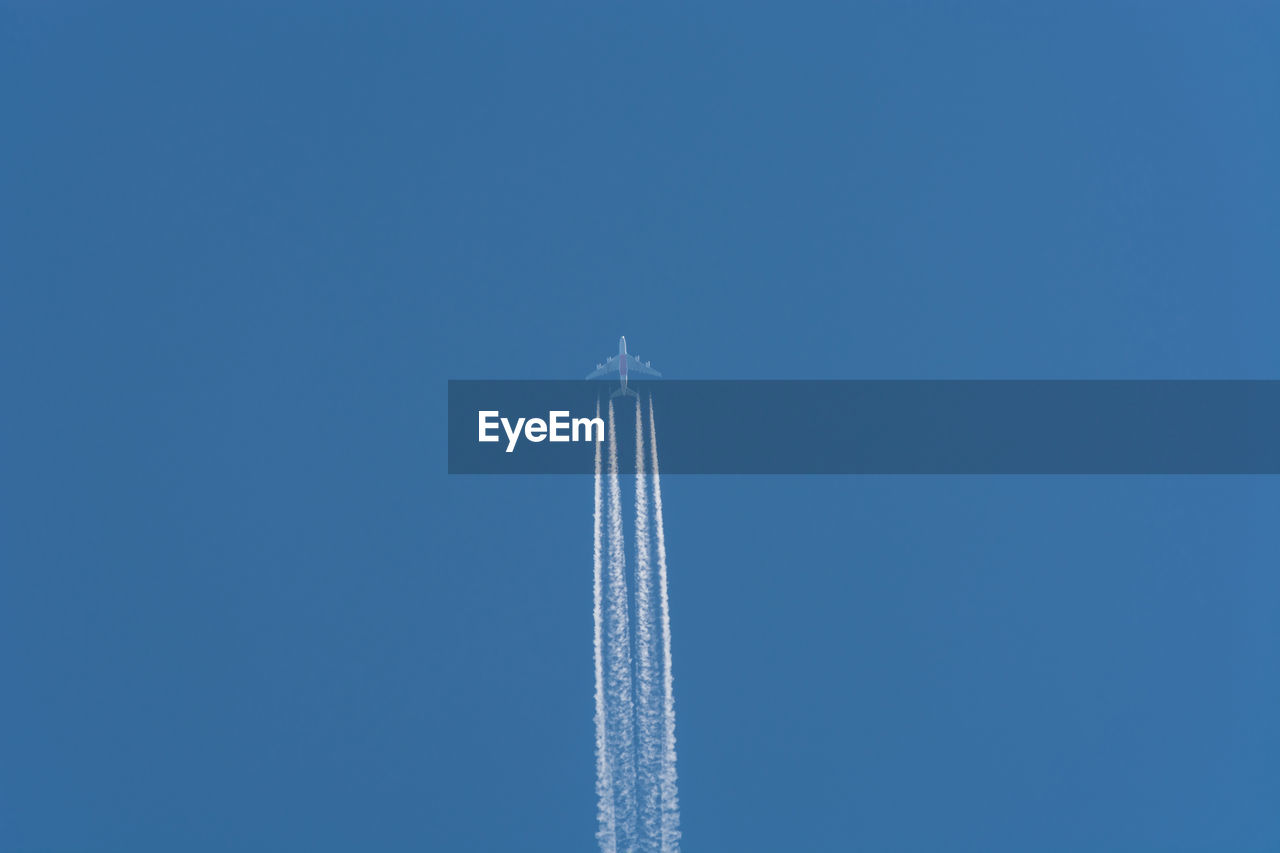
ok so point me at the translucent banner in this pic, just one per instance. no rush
(874, 427)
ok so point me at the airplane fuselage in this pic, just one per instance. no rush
(622, 362)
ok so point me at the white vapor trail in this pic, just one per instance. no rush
(605, 832)
(648, 763)
(667, 773)
(635, 720)
(621, 706)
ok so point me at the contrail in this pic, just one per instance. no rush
(670, 793)
(638, 806)
(605, 831)
(621, 707)
(649, 764)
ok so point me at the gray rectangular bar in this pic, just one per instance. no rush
(890, 426)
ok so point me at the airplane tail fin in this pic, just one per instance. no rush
(624, 392)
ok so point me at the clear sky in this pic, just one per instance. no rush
(243, 607)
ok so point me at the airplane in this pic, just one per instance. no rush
(621, 364)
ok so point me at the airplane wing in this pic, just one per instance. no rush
(610, 366)
(635, 365)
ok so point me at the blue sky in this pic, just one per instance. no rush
(242, 606)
